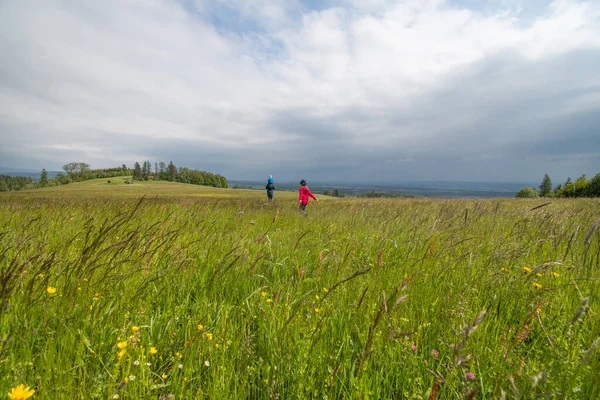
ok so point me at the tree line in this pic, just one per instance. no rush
(169, 172)
(79, 172)
(582, 187)
(8, 183)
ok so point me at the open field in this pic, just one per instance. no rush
(118, 188)
(211, 293)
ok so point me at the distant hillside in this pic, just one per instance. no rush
(31, 173)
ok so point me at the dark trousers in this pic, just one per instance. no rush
(302, 208)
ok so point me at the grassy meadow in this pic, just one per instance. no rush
(202, 293)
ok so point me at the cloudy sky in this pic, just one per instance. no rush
(471, 90)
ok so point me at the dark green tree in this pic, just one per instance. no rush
(172, 172)
(43, 177)
(137, 171)
(546, 186)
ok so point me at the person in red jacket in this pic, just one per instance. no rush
(304, 193)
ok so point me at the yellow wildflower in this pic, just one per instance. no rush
(316, 310)
(556, 274)
(269, 300)
(164, 376)
(91, 308)
(209, 336)
(122, 353)
(122, 345)
(317, 297)
(537, 285)
(263, 294)
(21, 392)
(538, 275)
(135, 328)
(325, 290)
(228, 342)
(51, 290)
(527, 269)
(95, 299)
(153, 350)
(200, 327)
(40, 276)
(217, 345)
(178, 355)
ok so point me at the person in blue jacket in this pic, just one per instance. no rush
(270, 187)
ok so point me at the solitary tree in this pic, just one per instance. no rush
(546, 186)
(44, 177)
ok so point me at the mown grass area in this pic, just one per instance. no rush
(228, 297)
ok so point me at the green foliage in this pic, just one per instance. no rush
(373, 298)
(546, 186)
(582, 187)
(75, 168)
(43, 177)
(594, 186)
(10, 183)
(171, 172)
(137, 171)
(527, 192)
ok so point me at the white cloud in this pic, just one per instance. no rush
(408, 78)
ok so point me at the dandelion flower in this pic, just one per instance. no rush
(538, 275)
(209, 336)
(317, 297)
(135, 328)
(207, 363)
(122, 353)
(527, 269)
(263, 294)
(200, 327)
(21, 392)
(122, 345)
(165, 376)
(316, 310)
(91, 307)
(470, 376)
(325, 290)
(153, 350)
(269, 300)
(537, 285)
(51, 290)
(178, 355)
(40, 276)
(217, 345)
(556, 274)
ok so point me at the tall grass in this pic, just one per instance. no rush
(361, 299)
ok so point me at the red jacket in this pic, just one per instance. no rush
(304, 193)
